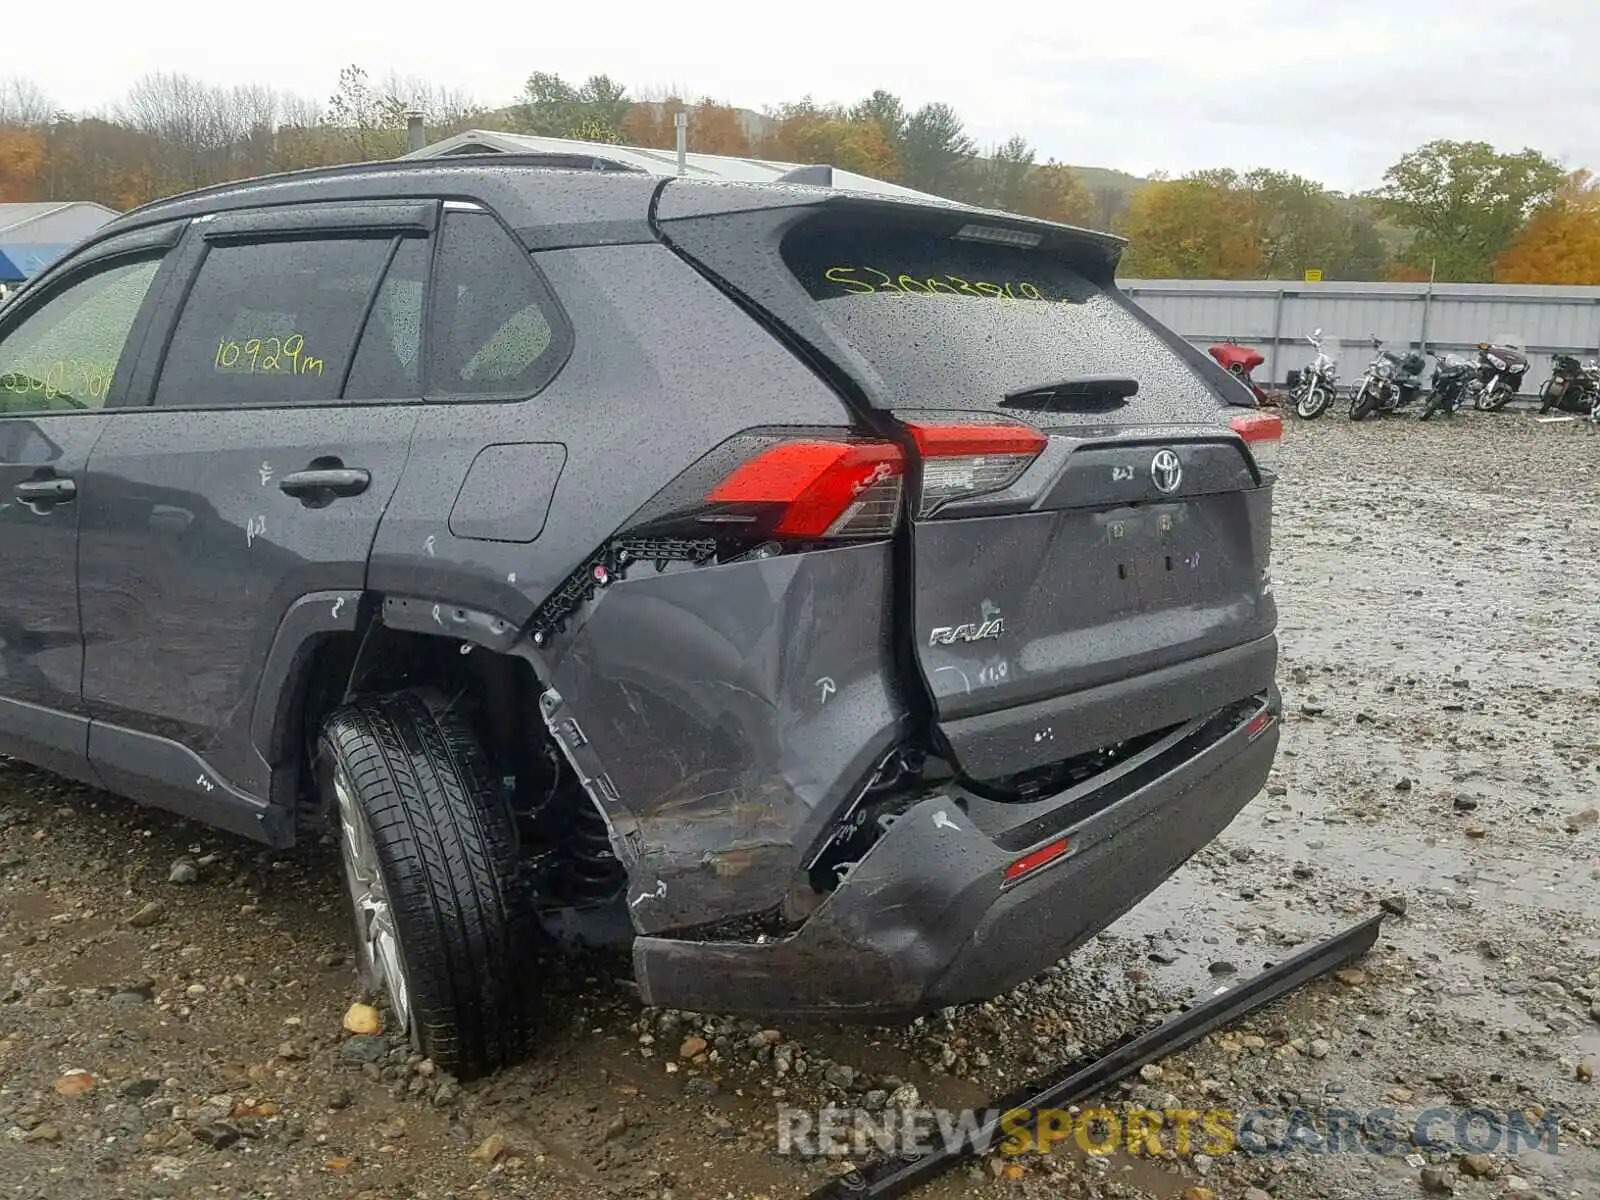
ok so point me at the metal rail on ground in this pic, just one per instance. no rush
(887, 1176)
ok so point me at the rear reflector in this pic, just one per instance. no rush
(824, 489)
(1258, 724)
(1036, 859)
(1262, 432)
(962, 461)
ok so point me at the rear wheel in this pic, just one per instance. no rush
(1313, 402)
(443, 927)
(1549, 396)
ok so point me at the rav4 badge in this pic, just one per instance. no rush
(972, 631)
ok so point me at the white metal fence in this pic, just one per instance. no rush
(1274, 316)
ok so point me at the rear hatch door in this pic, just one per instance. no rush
(1083, 515)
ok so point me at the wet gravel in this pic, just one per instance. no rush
(172, 1002)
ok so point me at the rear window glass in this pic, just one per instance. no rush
(950, 323)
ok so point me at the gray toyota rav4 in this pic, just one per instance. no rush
(850, 603)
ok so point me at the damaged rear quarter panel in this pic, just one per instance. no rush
(727, 714)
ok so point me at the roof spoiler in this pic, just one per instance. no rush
(818, 176)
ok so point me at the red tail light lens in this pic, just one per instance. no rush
(1262, 432)
(823, 489)
(962, 461)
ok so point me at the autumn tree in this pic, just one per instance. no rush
(807, 132)
(1464, 203)
(1054, 192)
(713, 128)
(1201, 226)
(1561, 242)
(22, 153)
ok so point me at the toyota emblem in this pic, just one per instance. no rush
(1166, 471)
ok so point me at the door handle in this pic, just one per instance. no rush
(325, 482)
(46, 491)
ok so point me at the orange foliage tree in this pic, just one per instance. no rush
(713, 128)
(1199, 227)
(808, 132)
(21, 159)
(1561, 243)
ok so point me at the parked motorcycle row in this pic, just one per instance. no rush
(1395, 381)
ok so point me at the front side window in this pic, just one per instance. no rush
(271, 322)
(64, 354)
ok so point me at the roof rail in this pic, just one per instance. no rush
(546, 161)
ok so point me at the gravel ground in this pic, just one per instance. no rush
(1441, 670)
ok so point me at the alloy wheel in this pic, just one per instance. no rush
(377, 940)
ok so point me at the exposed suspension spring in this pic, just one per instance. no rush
(590, 871)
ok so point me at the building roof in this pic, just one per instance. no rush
(665, 162)
(15, 218)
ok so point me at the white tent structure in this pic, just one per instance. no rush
(665, 162)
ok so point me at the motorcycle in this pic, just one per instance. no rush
(1572, 387)
(1391, 382)
(1449, 385)
(1312, 389)
(1240, 361)
(1502, 365)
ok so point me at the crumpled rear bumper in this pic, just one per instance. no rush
(926, 918)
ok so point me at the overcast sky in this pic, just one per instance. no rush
(1333, 89)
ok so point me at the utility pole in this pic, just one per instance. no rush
(680, 121)
(1427, 305)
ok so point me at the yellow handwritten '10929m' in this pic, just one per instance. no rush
(267, 356)
(862, 281)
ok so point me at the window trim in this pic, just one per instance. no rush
(205, 245)
(63, 276)
(563, 338)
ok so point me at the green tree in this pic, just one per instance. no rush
(1299, 224)
(935, 152)
(1002, 178)
(595, 111)
(371, 121)
(1464, 203)
(884, 108)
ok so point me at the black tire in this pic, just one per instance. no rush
(1313, 402)
(1430, 407)
(445, 846)
(1361, 403)
(1547, 397)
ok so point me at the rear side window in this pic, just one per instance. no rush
(956, 324)
(496, 329)
(388, 363)
(271, 322)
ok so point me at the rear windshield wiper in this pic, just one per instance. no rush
(1084, 393)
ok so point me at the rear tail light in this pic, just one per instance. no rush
(963, 461)
(815, 490)
(1262, 432)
